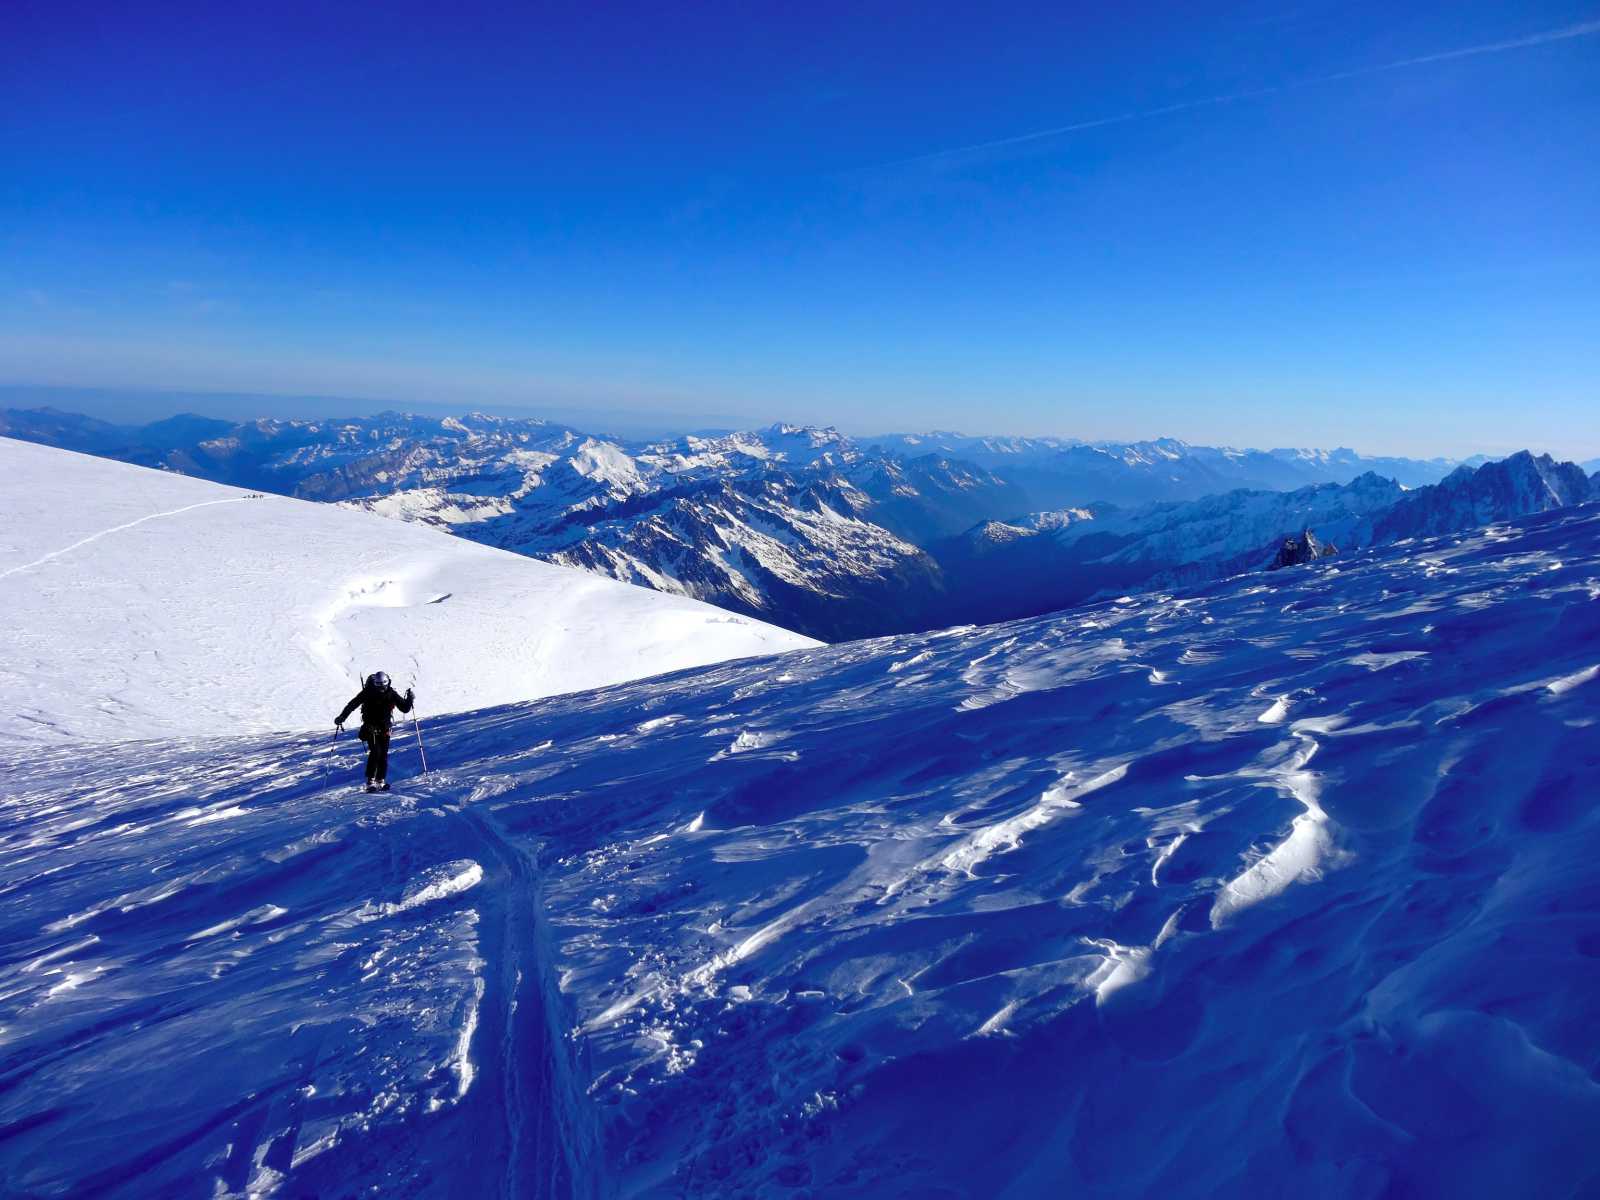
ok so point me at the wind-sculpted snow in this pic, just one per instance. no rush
(144, 604)
(1284, 886)
(224, 969)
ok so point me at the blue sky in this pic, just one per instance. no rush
(1263, 224)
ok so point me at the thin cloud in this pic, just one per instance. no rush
(1583, 29)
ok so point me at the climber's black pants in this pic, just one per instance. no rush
(377, 741)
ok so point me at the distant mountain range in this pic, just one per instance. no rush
(804, 525)
(1060, 471)
(1050, 560)
(834, 536)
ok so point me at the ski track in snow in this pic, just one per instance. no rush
(95, 537)
(768, 927)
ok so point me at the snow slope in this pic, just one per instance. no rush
(143, 604)
(1281, 887)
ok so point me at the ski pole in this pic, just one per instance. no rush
(416, 725)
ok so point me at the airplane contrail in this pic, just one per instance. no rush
(1583, 29)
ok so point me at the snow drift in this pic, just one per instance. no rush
(146, 604)
(1282, 886)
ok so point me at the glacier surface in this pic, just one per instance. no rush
(1281, 886)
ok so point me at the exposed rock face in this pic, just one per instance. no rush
(1518, 486)
(1302, 548)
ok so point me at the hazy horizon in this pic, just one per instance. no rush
(136, 407)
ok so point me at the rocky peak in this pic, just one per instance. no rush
(1517, 486)
(1304, 547)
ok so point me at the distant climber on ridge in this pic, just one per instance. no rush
(377, 700)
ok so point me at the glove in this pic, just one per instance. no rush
(410, 694)
(338, 726)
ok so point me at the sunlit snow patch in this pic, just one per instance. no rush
(1007, 835)
(1298, 857)
(1577, 679)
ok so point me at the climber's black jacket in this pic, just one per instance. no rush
(377, 707)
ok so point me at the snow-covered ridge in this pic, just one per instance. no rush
(146, 604)
(1280, 886)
